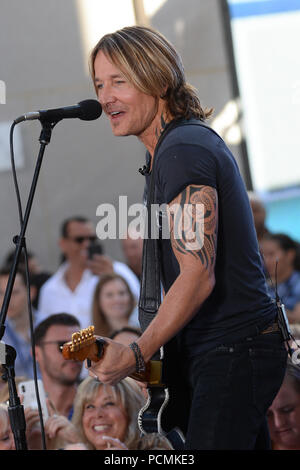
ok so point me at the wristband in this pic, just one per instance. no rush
(139, 360)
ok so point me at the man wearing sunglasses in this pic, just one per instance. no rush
(60, 377)
(72, 287)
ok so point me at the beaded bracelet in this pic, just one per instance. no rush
(140, 363)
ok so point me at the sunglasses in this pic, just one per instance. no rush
(80, 240)
(59, 344)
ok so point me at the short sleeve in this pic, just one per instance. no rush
(182, 165)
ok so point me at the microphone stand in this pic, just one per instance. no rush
(8, 353)
(15, 409)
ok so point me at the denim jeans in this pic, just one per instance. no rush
(232, 387)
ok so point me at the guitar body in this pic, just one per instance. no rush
(168, 405)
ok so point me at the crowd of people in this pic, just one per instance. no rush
(281, 260)
(84, 414)
(85, 290)
(281, 256)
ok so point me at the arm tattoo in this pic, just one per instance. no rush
(193, 224)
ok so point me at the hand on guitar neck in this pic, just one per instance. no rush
(104, 358)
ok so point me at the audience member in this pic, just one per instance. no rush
(17, 326)
(34, 266)
(113, 304)
(36, 283)
(33, 430)
(126, 335)
(284, 414)
(59, 431)
(72, 287)
(37, 275)
(281, 258)
(2, 381)
(132, 247)
(105, 417)
(60, 377)
(4, 391)
(259, 215)
(295, 331)
(6, 436)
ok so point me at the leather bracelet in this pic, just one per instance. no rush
(139, 360)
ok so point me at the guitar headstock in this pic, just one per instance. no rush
(81, 345)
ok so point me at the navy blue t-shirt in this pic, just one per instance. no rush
(195, 154)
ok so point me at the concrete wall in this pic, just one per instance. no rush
(43, 66)
(42, 61)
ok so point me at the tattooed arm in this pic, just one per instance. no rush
(193, 230)
(193, 226)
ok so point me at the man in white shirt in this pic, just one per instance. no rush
(72, 287)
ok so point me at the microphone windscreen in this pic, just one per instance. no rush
(90, 110)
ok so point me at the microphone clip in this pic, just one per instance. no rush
(145, 169)
(46, 131)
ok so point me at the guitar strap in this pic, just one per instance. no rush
(150, 291)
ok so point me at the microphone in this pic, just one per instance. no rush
(87, 110)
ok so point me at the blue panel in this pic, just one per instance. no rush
(284, 216)
(264, 7)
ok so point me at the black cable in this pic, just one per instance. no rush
(24, 249)
(276, 283)
(12, 158)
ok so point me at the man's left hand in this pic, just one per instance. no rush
(117, 363)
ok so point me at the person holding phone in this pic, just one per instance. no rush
(71, 288)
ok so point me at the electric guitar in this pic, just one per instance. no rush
(85, 345)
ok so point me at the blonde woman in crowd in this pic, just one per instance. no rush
(6, 435)
(106, 417)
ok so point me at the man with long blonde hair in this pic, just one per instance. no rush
(215, 309)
